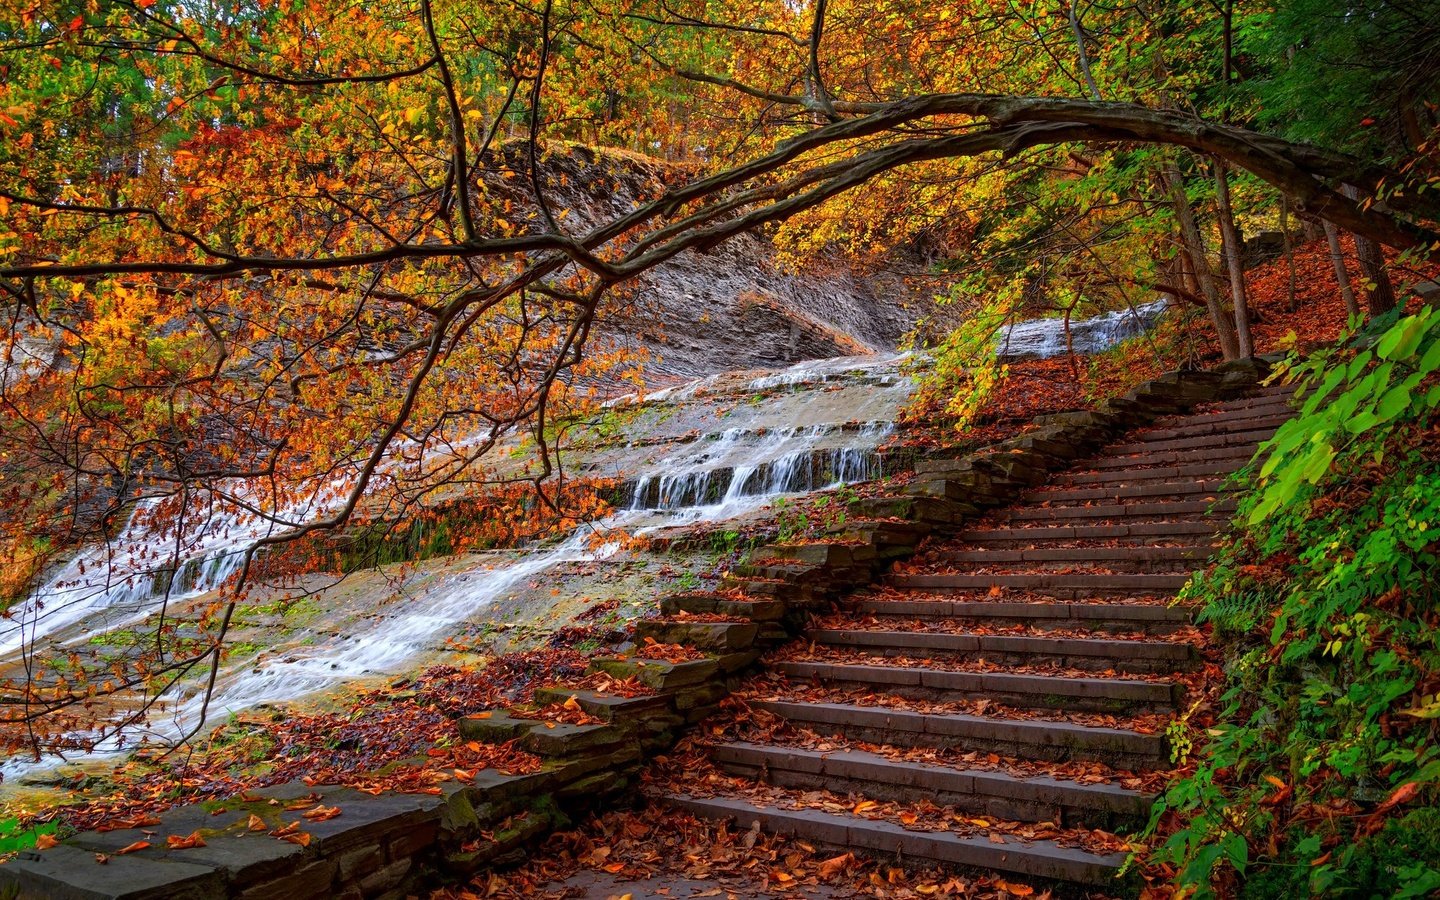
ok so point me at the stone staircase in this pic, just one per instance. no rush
(1017, 677)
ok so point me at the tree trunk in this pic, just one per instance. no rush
(1199, 265)
(1342, 277)
(1379, 292)
(1230, 249)
(1289, 252)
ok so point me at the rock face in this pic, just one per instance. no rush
(728, 309)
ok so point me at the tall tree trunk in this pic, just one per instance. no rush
(1230, 249)
(1199, 265)
(1379, 292)
(1342, 277)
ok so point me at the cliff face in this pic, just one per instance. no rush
(730, 309)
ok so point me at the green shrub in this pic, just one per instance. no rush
(1326, 595)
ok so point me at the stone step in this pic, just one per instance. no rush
(1035, 859)
(1129, 559)
(1139, 531)
(1061, 585)
(1203, 442)
(1079, 478)
(1234, 411)
(1116, 695)
(1159, 509)
(1147, 617)
(1024, 738)
(980, 792)
(1180, 489)
(1200, 426)
(1137, 460)
(1092, 654)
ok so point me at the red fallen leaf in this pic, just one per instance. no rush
(188, 842)
(1403, 794)
(46, 841)
(612, 868)
(288, 829)
(132, 848)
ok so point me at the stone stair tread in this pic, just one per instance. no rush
(1247, 439)
(1109, 648)
(853, 762)
(1086, 532)
(1064, 580)
(1065, 494)
(1107, 511)
(944, 679)
(952, 726)
(1237, 455)
(1038, 859)
(1077, 554)
(1081, 477)
(1196, 426)
(1020, 609)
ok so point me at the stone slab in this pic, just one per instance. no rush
(71, 873)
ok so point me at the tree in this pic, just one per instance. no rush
(280, 260)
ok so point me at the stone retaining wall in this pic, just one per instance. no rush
(390, 845)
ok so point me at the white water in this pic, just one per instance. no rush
(116, 582)
(1044, 338)
(758, 465)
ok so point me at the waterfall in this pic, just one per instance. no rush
(1044, 338)
(718, 476)
(780, 461)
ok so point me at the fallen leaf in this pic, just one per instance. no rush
(322, 813)
(46, 841)
(188, 842)
(131, 848)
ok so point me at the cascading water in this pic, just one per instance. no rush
(115, 582)
(1045, 338)
(733, 471)
(747, 465)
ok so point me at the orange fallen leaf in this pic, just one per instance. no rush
(835, 865)
(131, 848)
(256, 823)
(322, 813)
(299, 837)
(188, 842)
(46, 841)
